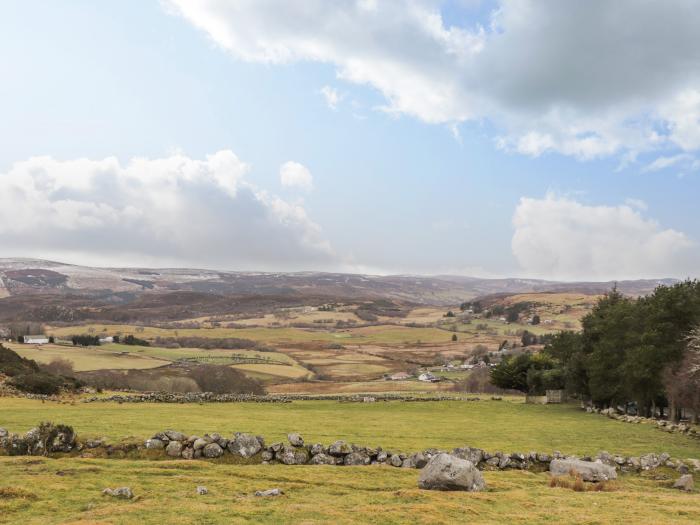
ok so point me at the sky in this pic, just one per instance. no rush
(552, 139)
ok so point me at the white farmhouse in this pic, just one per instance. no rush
(36, 340)
(428, 378)
(105, 340)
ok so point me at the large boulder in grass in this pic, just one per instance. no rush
(586, 470)
(446, 472)
(685, 482)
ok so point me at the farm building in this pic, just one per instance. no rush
(428, 378)
(36, 340)
(104, 340)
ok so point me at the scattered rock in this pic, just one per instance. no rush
(269, 493)
(446, 472)
(121, 493)
(588, 470)
(685, 482)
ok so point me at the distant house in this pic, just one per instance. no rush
(36, 340)
(466, 366)
(104, 340)
(399, 376)
(428, 378)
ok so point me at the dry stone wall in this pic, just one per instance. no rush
(241, 447)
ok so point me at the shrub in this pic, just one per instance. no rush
(224, 380)
(60, 367)
(37, 383)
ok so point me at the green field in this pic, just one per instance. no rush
(45, 491)
(493, 425)
(90, 358)
(175, 354)
(384, 334)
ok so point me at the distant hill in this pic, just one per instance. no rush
(47, 291)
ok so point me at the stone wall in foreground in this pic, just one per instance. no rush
(49, 439)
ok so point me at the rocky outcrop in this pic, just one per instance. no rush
(586, 470)
(447, 472)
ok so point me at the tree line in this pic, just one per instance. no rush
(643, 351)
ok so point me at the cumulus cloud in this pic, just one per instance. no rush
(171, 210)
(295, 175)
(559, 238)
(587, 79)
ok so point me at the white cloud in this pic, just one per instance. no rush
(662, 163)
(559, 238)
(586, 79)
(295, 175)
(332, 97)
(172, 210)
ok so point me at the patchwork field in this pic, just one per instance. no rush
(85, 359)
(312, 343)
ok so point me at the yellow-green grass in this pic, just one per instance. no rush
(386, 334)
(174, 354)
(357, 387)
(493, 425)
(85, 359)
(278, 371)
(46, 491)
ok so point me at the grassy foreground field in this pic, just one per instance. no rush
(48, 491)
(409, 427)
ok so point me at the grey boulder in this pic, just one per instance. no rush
(245, 445)
(212, 450)
(153, 444)
(174, 449)
(295, 439)
(446, 472)
(685, 482)
(268, 493)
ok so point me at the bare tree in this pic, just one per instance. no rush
(682, 382)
